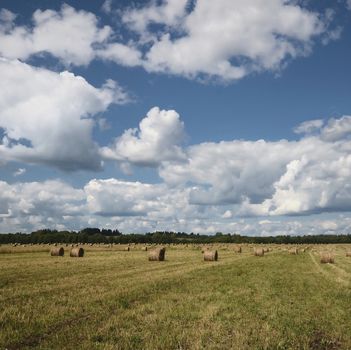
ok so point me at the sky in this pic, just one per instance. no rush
(202, 116)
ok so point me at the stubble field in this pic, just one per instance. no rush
(115, 299)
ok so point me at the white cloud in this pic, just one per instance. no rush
(6, 20)
(107, 6)
(158, 139)
(50, 31)
(244, 178)
(228, 171)
(348, 4)
(33, 205)
(47, 116)
(309, 126)
(127, 56)
(137, 207)
(227, 214)
(113, 197)
(225, 38)
(19, 172)
(270, 178)
(337, 129)
(68, 34)
(170, 13)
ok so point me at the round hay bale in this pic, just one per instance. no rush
(258, 251)
(327, 258)
(57, 251)
(348, 253)
(293, 251)
(126, 249)
(238, 249)
(144, 249)
(210, 255)
(157, 254)
(76, 252)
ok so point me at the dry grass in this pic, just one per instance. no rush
(121, 302)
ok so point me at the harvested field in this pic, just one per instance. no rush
(114, 299)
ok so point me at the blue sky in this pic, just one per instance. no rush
(202, 116)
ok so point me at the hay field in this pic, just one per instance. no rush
(117, 299)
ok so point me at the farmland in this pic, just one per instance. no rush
(117, 299)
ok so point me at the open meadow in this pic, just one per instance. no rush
(117, 299)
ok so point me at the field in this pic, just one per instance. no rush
(115, 299)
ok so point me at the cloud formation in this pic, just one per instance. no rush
(239, 178)
(48, 34)
(138, 207)
(271, 178)
(47, 117)
(157, 140)
(224, 39)
(30, 205)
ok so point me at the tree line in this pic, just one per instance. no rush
(96, 235)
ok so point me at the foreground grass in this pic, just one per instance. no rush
(119, 300)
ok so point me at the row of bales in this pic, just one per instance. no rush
(158, 254)
(76, 252)
(326, 257)
(210, 251)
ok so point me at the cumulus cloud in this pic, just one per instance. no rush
(107, 6)
(271, 178)
(169, 12)
(229, 171)
(309, 126)
(49, 32)
(222, 39)
(157, 140)
(243, 178)
(337, 129)
(119, 198)
(225, 39)
(6, 20)
(137, 207)
(244, 187)
(19, 172)
(124, 55)
(46, 117)
(30, 205)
